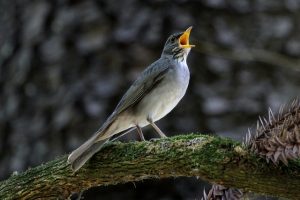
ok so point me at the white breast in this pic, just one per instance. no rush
(165, 97)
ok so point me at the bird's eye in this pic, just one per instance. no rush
(173, 39)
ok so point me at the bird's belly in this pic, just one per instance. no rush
(160, 101)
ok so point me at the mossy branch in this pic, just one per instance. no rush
(214, 159)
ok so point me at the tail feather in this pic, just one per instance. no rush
(83, 153)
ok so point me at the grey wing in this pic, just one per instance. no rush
(150, 78)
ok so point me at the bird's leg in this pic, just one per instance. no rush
(156, 128)
(140, 132)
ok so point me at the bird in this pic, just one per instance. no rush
(156, 91)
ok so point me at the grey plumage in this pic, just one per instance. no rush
(154, 94)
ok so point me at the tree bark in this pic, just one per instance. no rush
(214, 159)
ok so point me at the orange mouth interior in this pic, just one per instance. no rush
(184, 39)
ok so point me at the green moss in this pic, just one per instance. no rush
(212, 158)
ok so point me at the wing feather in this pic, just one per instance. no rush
(145, 83)
(150, 78)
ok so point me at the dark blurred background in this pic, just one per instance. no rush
(64, 64)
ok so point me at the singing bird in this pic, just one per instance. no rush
(157, 90)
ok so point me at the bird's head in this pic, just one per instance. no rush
(178, 45)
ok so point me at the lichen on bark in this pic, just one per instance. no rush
(215, 159)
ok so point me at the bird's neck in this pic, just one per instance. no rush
(180, 58)
(177, 54)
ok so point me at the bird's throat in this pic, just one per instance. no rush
(180, 54)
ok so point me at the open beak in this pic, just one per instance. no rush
(184, 39)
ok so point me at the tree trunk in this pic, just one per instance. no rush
(214, 159)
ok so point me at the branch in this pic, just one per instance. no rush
(256, 55)
(214, 159)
